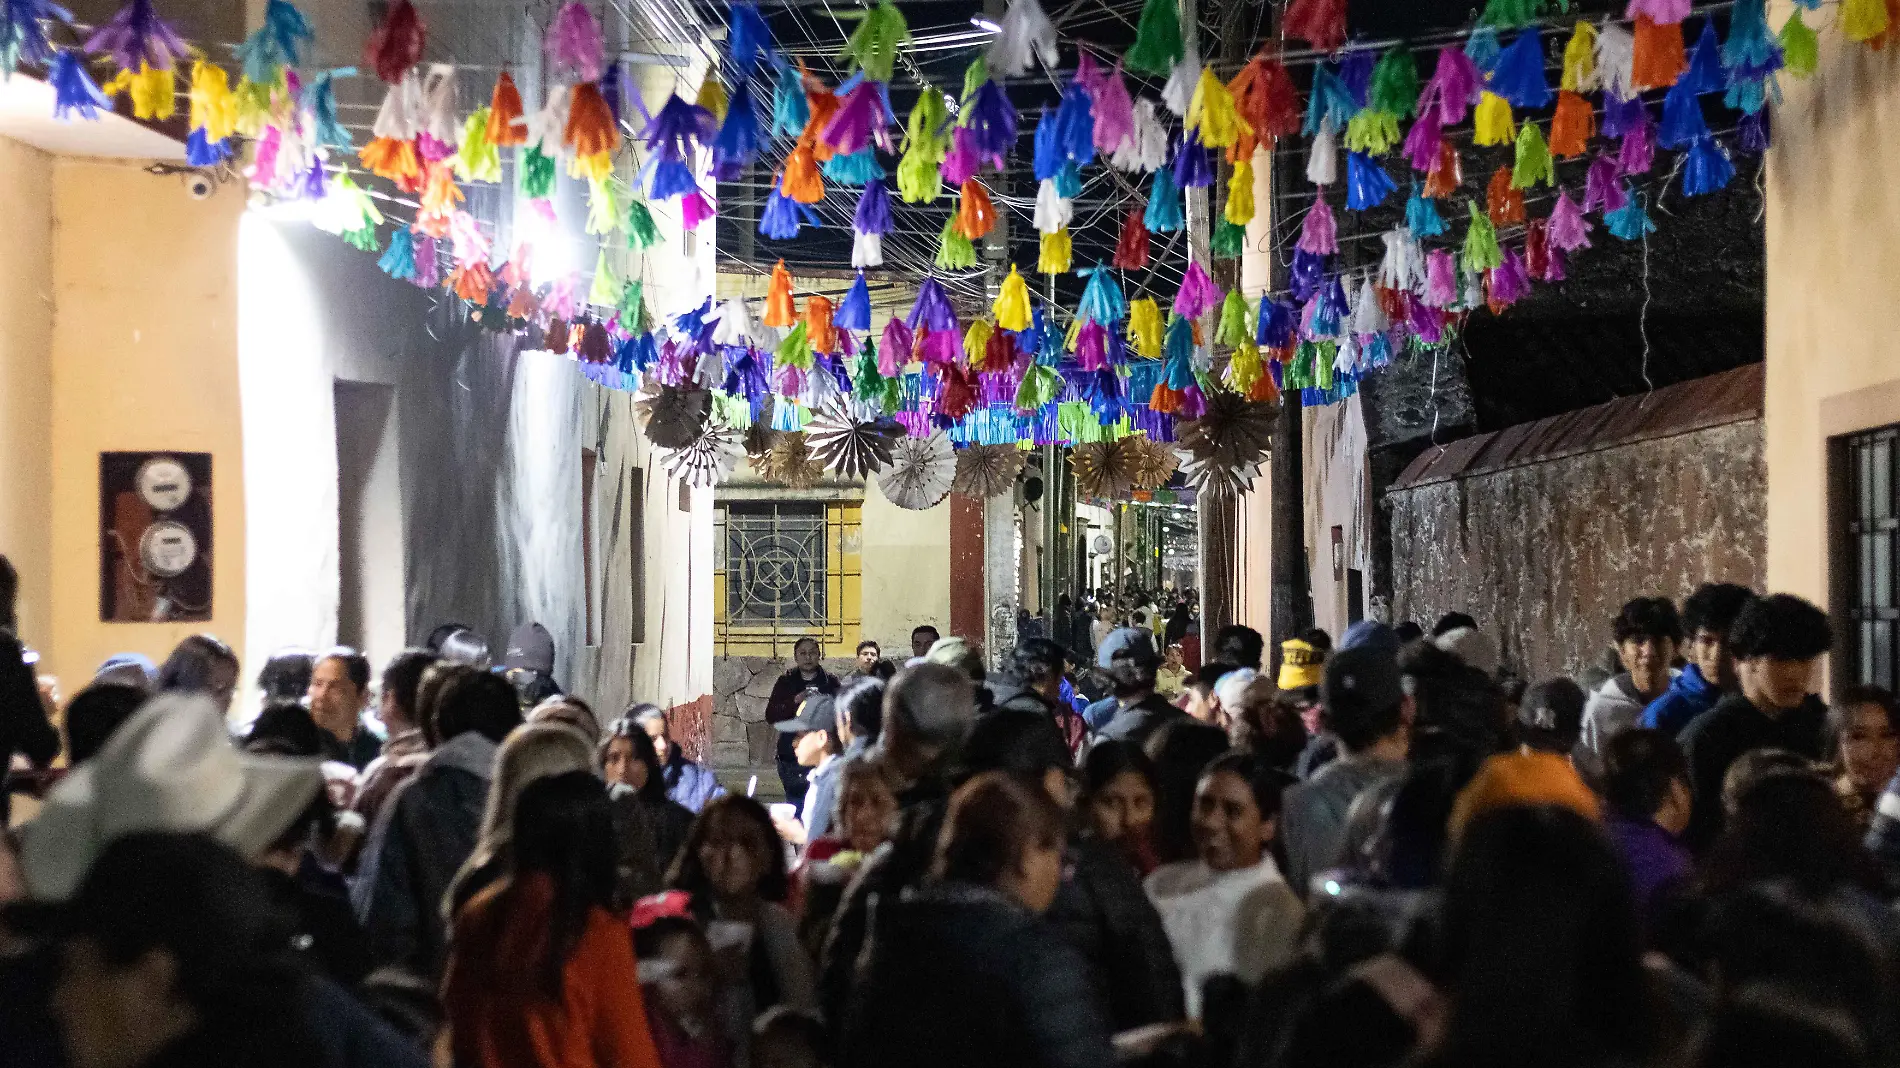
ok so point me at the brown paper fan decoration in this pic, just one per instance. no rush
(1154, 461)
(1222, 451)
(672, 416)
(920, 473)
(760, 437)
(854, 447)
(985, 471)
(708, 460)
(1104, 470)
(790, 461)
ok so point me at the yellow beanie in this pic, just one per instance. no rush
(1301, 665)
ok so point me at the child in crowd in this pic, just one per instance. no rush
(678, 977)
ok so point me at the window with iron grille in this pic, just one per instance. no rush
(1866, 526)
(775, 563)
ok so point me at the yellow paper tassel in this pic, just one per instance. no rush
(214, 108)
(253, 107)
(712, 97)
(1069, 338)
(1144, 327)
(1240, 206)
(1580, 58)
(1493, 120)
(594, 168)
(1243, 369)
(1057, 250)
(1012, 304)
(1211, 110)
(975, 339)
(154, 93)
(1863, 20)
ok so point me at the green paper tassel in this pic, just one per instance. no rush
(607, 289)
(1533, 159)
(974, 76)
(874, 44)
(537, 174)
(795, 350)
(1508, 14)
(1324, 353)
(927, 136)
(1041, 385)
(1230, 240)
(955, 253)
(1481, 242)
(642, 231)
(603, 207)
(633, 310)
(919, 178)
(1800, 48)
(477, 160)
(1158, 44)
(1372, 130)
(1233, 328)
(1395, 83)
(363, 239)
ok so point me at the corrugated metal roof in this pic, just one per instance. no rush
(1729, 397)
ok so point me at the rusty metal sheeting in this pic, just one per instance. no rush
(1729, 397)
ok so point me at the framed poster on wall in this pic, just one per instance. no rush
(154, 537)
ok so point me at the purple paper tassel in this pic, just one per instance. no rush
(1355, 73)
(1510, 282)
(1637, 152)
(1193, 166)
(960, 163)
(1319, 233)
(1305, 273)
(428, 265)
(991, 120)
(1453, 87)
(1568, 230)
(1601, 190)
(135, 36)
(1753, 136)
(893, 352)
(1441, 279)
(874, 210)
(1427, 322)
(860, 121)
(932, 309)
(1423, 140)
(1621, 115)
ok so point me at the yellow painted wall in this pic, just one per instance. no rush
(144, 356)
(26, 388)
(906, 570)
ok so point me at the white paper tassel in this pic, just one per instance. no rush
(1404, 264)
(401, 112)
(1322, 160)
(819, 387)
(1181, 82)
(438, 104)
(547, 127)
(1147, 150)
(1474, 291)
(1369, 317)
(1026, 34)
(735, 323)
(1345, 361)
(710, 372)
(1053, 212)
(867, 250)
(1616, 60)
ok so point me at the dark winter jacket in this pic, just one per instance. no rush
(327, 932)
(1012, 695)
(1722, 734)
(1135, 723)
(787, 693)
(425, 832)
(959, 976)
(24, 727)
(649, 834)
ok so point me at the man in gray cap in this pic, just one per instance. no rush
(1128, 655)
(529, 664)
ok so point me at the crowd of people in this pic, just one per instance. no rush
(1387, 851)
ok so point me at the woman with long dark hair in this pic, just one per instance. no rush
(649, 826)
(541, 974)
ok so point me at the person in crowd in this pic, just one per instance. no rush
(316, 898)
(1197, 697)
(1301, 668)
(649, 826)
(1458, 711)
(787, 1038)
(462, 645)
(1758, 764)
(690, 783)
(1550, 717)
(1710, 672)
(1777, 641)
(380, 780)
(734, 871)
(530, 753)
(1646, 798)
(1472, 647)
(1241, 646)
(680, 984)
(1023, 994)
(201, 664)
(1529, 777)
(429, 826)
(286, 675)
(135, 670)
(1180, 752)
(860, 824)
(339, 692)
(1647, 631)
(1370, 712)
(1268, 724)
(1865, 726)
(1101, 627)
(1172, 676)
(964, 655)
(1451, 621)
(817, 747)
(570, 711)
(528, 665)
(806, 676)
(922, 637)
(1034, 682)
(1179, 619)
(870, 657)
(1790, 826)
(94, 714)
(860, 715)
(1118, 801)
(541, 974)
(1134, 711)
(407, 745)
(285, 729)
(1541, 949)
(1229, 911)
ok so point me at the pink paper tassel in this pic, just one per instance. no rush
(1113, 109)
(1569, 230)
(1509, 283)
(1091, 346)
(1601, 190)
(894, 353)
(1638, 150)
(1660, 12)
(1453, 88)
(1198, 294)
(696, 209)
(574, 42)
(1423, 140)
(1318, 234)
(1441, 279)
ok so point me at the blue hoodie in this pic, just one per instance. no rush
(1689, 695)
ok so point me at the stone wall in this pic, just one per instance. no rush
(741, 685)
(1544, 554)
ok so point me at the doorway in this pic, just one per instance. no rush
(370, 573)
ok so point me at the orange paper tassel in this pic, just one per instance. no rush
(823, 104)
(800, 179)
(440, 194)
(473, 282)
(1573, 126)
(1503, 202)
(590, 122)
(523, 305)
(555, 340)
(506, 126)
(818, 329)
(1262, 389)
(779, 307)
(1446, 175)
(1168, 401)
(389, 158)
(1659, 57)
(975, 214)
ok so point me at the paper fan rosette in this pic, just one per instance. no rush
(673, 417)
(845, 442)
(790, 461)
(985, 471)
(1222, 451)
(708, 460)
(921, 472)
(1104, 470)
(1154, 462)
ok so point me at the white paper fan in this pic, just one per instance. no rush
(921, 472)
(708, 460)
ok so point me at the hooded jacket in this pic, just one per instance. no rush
(1689, 695)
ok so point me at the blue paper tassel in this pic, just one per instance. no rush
(1706, 167)
(1519, 75)
(790, 112)
(1075, 125)
(1048, 144)
(1305, 273)
(1102, 299)
(785, 415)
(783, 217)
(873, 214)
(1334, 310)
(748, 38)
(1104, 392)
(1355, 73)
(73, 89)
(202, 153)
(1682, 120)
(670, 178)
(740, 137)
(854, 311)
(1069, 181)
(858, 168)
(1275, 329)
(1329, 99)
(1164, 204)
(1421, 215)
(399, 259)
(1705, 73)
(1193, 164)
(315, 183)
(275, 44)
(319, 98)
(1482, 47)
(1621, 115)
(1630, 221)
(1048, 338)
(1367, 183)
(22, 35)
(1178, 351)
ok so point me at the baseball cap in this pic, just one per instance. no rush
(1127, 643)
(1551, 714)
(1300, 664)
(1372, 634)
(1470, 646)
(1362, 680)
(816, 713)
(530, 648)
